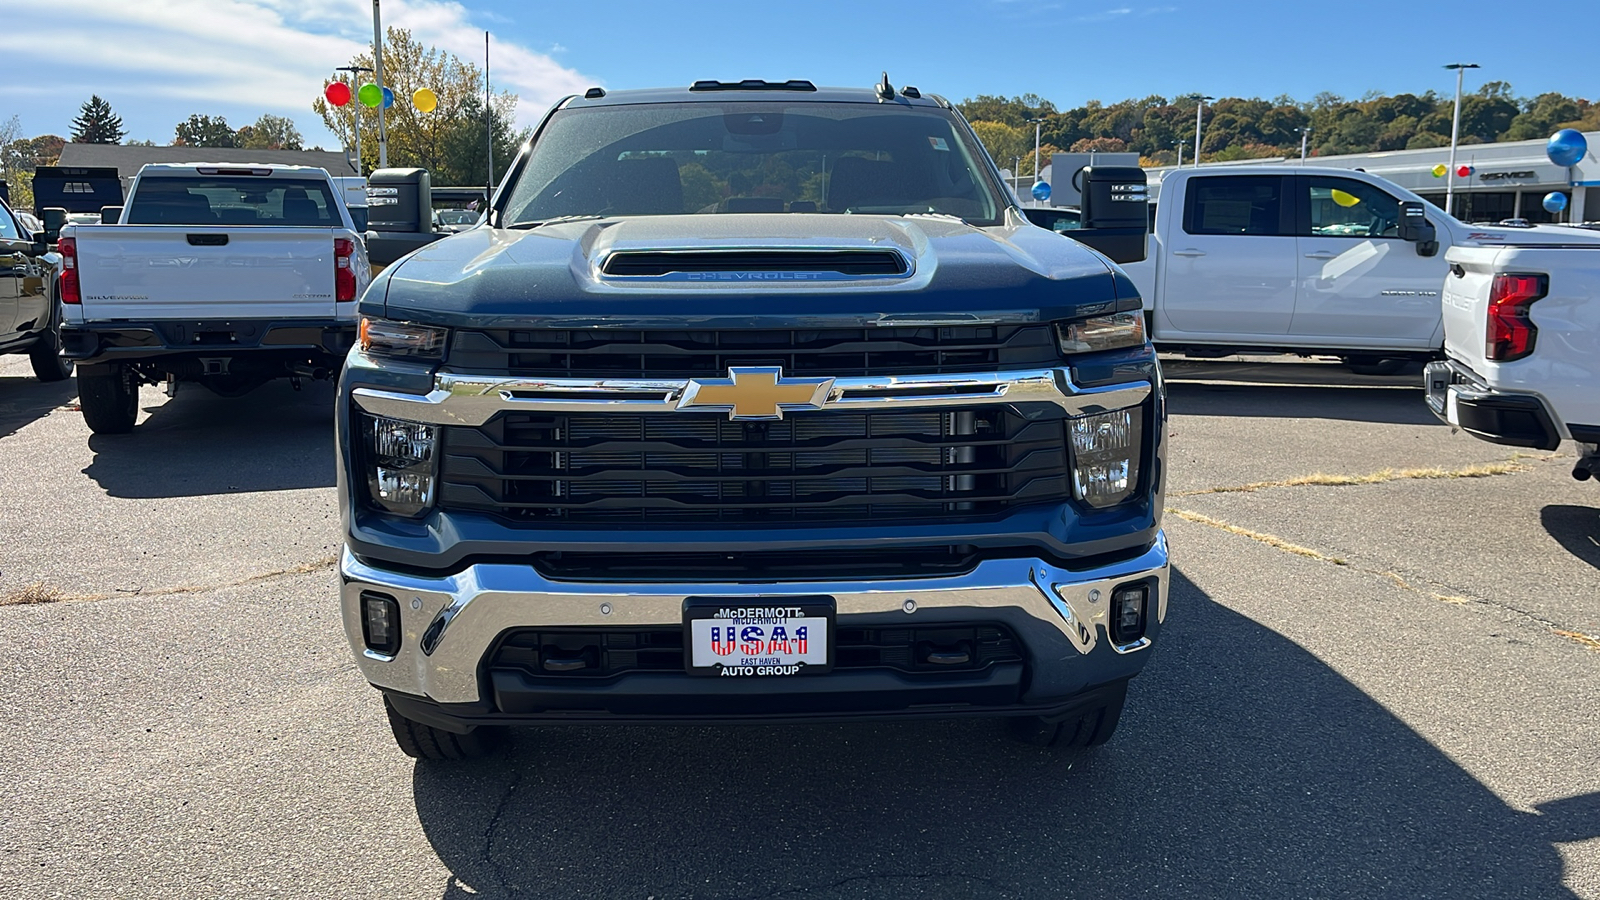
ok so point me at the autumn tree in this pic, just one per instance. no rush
(433, 140)
(203, 131)
(269, 132)
(97, 124)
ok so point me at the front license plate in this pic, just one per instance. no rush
(745, 638)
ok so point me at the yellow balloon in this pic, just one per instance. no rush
(1439, 170)
(425, 100)
(1344, 199)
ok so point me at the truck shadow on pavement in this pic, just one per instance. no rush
(1258, 772)
(25, 400)
(271, 439)
(1387, 406)
(1576, 529)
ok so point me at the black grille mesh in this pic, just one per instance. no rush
(809, 467)
(840, 352)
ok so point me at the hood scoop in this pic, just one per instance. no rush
(756, 265)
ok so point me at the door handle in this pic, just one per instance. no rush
(1322, 254)
(1189, 253)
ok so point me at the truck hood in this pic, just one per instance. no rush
(552, 276)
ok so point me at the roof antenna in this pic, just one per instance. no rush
(885, 89)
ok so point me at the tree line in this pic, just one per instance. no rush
(1251, 128)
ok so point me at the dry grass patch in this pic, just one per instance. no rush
(1271, 540)
(1323, 479)
(1587, 640)
(39, 592)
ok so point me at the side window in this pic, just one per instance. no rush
(1344, 207)
(8, 226)
(1235, 204)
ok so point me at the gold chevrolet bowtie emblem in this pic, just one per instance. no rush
(756, 392)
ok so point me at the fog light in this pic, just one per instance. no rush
(1127, 614)
(380, 623)
(1105, 455)
(401, 474)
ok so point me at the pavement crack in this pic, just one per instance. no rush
(1454, 597)
(1382, 476)
(493, 826)
(40, 592)
(1271, 540)
(943, 878)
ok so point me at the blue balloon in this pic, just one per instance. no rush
(388, 98)
(1041, 190)
(1554, 202)
(1567, 147)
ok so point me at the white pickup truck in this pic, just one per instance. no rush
(1307, 260)
(1522, 347)
(219, 274)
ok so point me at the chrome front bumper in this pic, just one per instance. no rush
(461, 616)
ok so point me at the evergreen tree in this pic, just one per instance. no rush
(204, 131)
(97, 124)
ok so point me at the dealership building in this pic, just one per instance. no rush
(1507, 180)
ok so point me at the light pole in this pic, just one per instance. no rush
(1198, 109)
(1016, 174)
(1455, 135)
(1037, 122)
(377, 61)
(355, 77)
(1179, 144)
(1304, 133)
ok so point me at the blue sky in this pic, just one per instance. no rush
(157, 61)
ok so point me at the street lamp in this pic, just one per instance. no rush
(1016, 174)
(1179, 144)
(1304, 133)
(377, 61)
(1455, 136)
(355, 78)
(1199, 108)
(1037, 122)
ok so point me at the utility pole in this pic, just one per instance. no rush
(1304, 133)
(355, 78)
(1016, 175)
(1037, 122)
(1455, 137)
(488, 121)
(377, 60)
(1179, 145)
(1198, 109)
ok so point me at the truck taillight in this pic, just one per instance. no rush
(68, 248)
(1510, 332)
(344, 277)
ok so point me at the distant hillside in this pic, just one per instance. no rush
(1237, 128)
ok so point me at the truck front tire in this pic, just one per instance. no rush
(109, 399)
(420, 741)
(1090, 728)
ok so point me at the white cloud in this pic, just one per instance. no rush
(266, 55)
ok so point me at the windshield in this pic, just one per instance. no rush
(206, 200)
(752, 157)
(457, 216)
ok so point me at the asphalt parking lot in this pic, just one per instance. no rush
(1379, 678)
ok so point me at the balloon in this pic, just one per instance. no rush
(1464, 171)
(388, 98)
(1439, 170)
(1345, 200)
(338, 93)
(1554, 202)
(370, 95)
(1041, 190)
(1567, 147)
(425, 100)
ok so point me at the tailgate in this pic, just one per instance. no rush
(1465, 303)
(205, 272)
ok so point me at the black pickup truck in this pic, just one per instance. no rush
(754, 401)
(30, 316)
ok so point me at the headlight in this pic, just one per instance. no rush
(400, 470)
(385, 337)
(1105, 455)
(1101, 333)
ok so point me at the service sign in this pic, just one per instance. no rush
(759, 638)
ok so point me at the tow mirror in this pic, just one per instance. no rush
(1115, 217)
(1415, 227)
(54, 219)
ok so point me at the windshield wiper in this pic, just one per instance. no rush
(558, 220)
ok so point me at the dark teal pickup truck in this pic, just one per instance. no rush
(753, 401)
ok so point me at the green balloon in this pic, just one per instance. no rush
(370, 95)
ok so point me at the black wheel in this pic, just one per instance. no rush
(1374, 365)
(109, 399)
(1091, 728)
(48, 363)
(420, 741)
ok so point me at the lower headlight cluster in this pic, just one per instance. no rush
(1105, 455)
(401, 464)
